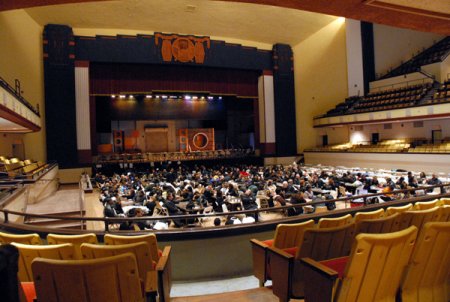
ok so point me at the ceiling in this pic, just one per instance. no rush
(244, 20)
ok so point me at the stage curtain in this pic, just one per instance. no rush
(108, 79)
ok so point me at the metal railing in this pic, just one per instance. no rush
(254, 213)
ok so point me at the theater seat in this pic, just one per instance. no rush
(76, 240)
(27, 253)
(365, 277)
(334, 222)
(418, 218)
(425, 205)
(149, 238)
(378, 226)
(287, 237)
(392, 210)
(426, 277)
(32, 239)
(368, 215)
(287, 272)
(109, 279)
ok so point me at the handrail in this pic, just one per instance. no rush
(115, 220)
(20, 98)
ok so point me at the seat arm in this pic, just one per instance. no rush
(281, 268)
(319, 280)
(164, 269)
(259, 256)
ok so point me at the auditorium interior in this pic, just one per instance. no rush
(200, 150)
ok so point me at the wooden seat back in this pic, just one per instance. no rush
(334, 222)
(392, 210)
(140, 250)
(290, 235)
(32, 239)
(368, 215)
(426, 277)
(418, 218)
(112, 279)
(27, 253)
(380, 225)
(366, 278)
(425, 205)
(149, 238)
(76, 240)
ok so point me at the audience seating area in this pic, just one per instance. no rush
(442, 95)
(387, 99)
(14, 167)
(411, 145)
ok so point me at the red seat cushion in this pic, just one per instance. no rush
(337, 264)
(290, 250)
(268, 242)
(29, 291)
(159, 253)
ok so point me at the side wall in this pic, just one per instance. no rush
(320, 78)
(22, 59)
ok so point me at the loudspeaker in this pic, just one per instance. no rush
(118, 140)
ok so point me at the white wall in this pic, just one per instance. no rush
(355, 73)
(400, 130)
(394, 45)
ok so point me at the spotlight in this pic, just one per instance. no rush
(195, 97)
(202, 98)
(113, 96)
(131, 96)
(148, 96)
(164, 96)
(122, 96)
(210, 98)
(220, 97)
(187, 97)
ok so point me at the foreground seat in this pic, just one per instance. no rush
(426, 277)
(418, 218)
(149, 238)
(27, 253)
(365, 277)
(425, 205)
(76, 240)
(33, 239)
(111, 279)
(287, 272)
(287, 236)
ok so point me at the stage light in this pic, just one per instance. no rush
(210, 98)
(202, 98)
(122, 96)
(220, 97)
(187, 97)
(148, 96)
(131, 96)
(157, 96)
(195, 97)
(164, 96)
(113, 96)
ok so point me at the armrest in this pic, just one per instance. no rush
(281, 268)
(164, 269)
(319, 280)
(259, 256)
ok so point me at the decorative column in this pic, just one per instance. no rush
(83, 112)
(266, 113)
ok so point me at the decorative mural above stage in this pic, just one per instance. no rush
(182, 48)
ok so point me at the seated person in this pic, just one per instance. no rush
(295, 200)
(249, 201)
(135, 225)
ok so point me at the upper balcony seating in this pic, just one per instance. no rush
(436, 53)
(442, 95)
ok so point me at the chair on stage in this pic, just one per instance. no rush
(393, 210)
(426, 277)
(334, 222)
(362, 276)
(287, 272)
(111, 279)
(368, 215)
(32, 239)
(377, 226)
(287, 236)
(27, 253)
(76, 240)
